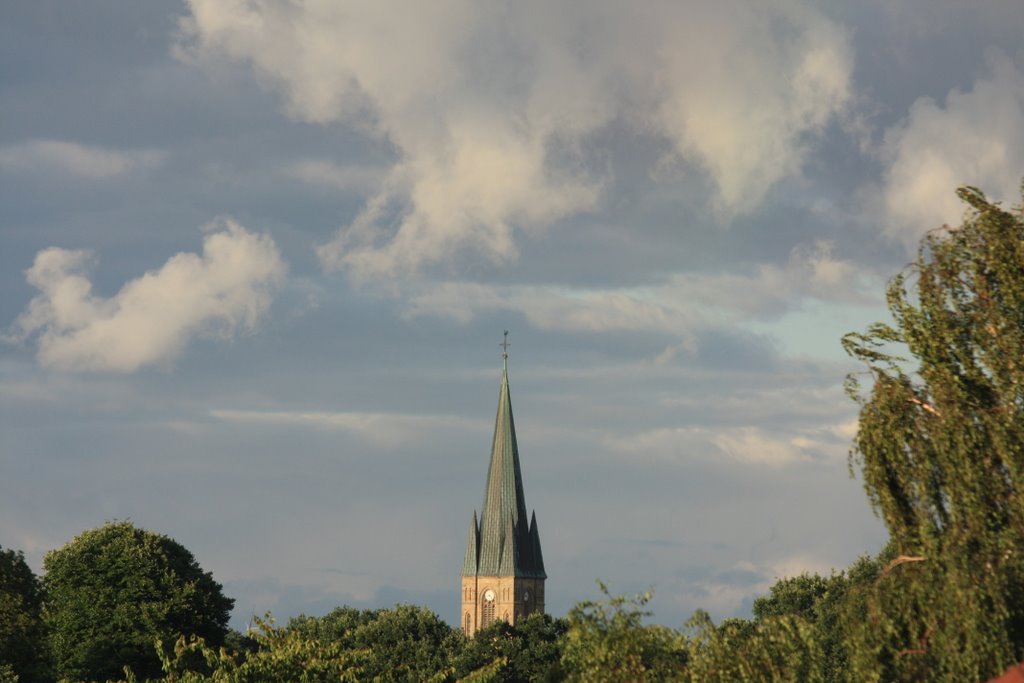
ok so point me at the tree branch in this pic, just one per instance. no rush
(902, 559)
(927, 406)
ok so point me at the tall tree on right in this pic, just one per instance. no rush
(940, 446)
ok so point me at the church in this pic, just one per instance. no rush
(503, 573)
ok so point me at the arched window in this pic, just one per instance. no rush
(488, 613)
(469, 624)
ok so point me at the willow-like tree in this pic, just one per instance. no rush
(940, 445)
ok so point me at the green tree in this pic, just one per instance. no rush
(113, 591)
(530, 651)
(795, 595)
(22, 639)
(275, 655)
(830, 606)
(940, 445)
(337, 626)
(607, 642)
(772, 649)
(843, 607)
(405, 643)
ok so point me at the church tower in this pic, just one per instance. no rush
(503, 573)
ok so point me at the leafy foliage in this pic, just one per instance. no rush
(779, 648)
(607, 642)
(529, 651)
(278, 655)
(406, 643)
(113, 591)
(22, 641)
(794, 596)
(941, 448)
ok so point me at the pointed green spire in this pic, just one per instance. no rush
(472, 548)
(538, 556)
(505, 545)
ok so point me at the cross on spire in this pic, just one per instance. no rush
(504, 346)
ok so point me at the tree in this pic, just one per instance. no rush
(795, 595)
(271, 655)
(831, 606)
(22, 640)
(776, 648)
(530, 650)
(608, 642)
(940, 444)
(112, 592)
(279, 655)
(405, 643)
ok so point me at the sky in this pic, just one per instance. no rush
(257, 257)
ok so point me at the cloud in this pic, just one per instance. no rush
(811, 272)
(973, 138)
(746, 444)
(744, 86)
(680, 305)
(936, 20)
(331, 175)
(725, 591)
(549, 308)
(385, 430)
(496, 116)
(81, 160)
(767, 423)
(753, 445)
(223, 290)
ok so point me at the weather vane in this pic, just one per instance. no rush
(504, 346)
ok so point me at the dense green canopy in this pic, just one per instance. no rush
(113, 591)
(22, 641)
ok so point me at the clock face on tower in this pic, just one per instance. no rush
(488, 595)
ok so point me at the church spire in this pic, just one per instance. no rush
(505, 543)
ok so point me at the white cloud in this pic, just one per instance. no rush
(755, 446)
(796, 565)
(151, 318)
(551, 308)
(492, 111)
(973, 138)
(811, 272)
(81, 160)
(726, 592)
(679, 306)
(686, 348)
(385, 430)
(743, 87)
(746, 444)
